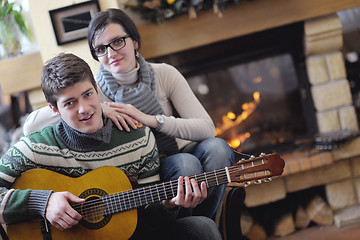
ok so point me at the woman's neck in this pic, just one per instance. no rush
(129, 78)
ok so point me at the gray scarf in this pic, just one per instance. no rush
(142, 97)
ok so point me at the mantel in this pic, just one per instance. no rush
(181, 34)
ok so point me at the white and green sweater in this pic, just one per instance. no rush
(64, 150)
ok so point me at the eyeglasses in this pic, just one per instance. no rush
(115, 45)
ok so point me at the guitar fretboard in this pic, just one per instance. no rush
(246, 171)
(131, 199)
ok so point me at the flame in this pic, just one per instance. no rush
(256, 96)
(235, 142)
(231, 115)
(230, 120)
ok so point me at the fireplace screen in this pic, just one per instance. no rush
(256, 106)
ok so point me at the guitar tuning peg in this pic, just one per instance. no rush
(241, 160)
(267, 179)
(262, 154)
(246, 184)
(258, 181)
(252, 156)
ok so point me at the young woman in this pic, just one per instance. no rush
(157, 95)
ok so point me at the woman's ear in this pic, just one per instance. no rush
(54, 109)
(136, 45)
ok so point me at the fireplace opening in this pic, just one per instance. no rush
(255, 104)
(254, 87)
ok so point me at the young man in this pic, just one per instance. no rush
(82, 141)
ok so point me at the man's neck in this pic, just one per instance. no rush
(82, 142)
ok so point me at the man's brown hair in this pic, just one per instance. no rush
(61, 72)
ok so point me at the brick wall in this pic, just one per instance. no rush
(327, 75)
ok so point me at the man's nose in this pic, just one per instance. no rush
(83, 107)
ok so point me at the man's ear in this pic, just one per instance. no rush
(54, 109)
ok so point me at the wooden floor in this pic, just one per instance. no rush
(351, 232)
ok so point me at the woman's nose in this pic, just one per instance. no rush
(111, 52)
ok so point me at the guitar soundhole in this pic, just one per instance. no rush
(93, 210)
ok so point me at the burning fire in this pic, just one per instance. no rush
(230, 120)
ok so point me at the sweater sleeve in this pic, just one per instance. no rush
(193, 123)
(18, 205)
(23, 205)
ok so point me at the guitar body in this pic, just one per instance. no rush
(90, 186)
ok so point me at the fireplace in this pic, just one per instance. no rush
(309, 97)
(255, 88)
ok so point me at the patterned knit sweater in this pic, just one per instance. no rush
(49, 148)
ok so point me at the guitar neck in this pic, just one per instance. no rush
(131, 199)
(245, 171)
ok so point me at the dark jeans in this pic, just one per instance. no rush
(187, 228)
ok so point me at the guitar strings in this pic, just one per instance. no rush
(161, 195)
(92, 206)
(146, 195)
(214, 179)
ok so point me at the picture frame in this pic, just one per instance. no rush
(71, 23)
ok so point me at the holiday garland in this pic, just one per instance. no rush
(160, 10)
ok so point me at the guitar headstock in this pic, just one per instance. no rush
(257, 169)
(334, 140)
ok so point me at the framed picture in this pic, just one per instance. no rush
(71, 23)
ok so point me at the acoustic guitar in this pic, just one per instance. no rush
(108, 191)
